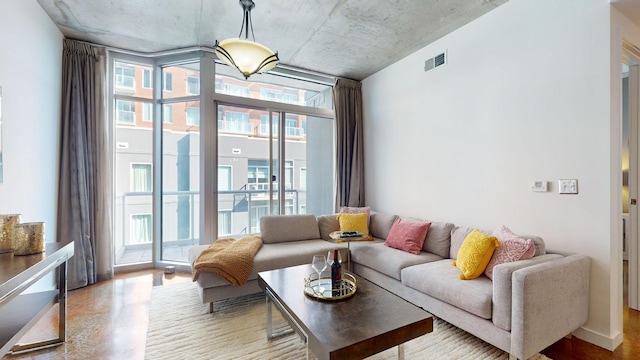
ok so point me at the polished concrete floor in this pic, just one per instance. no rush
(109, 321)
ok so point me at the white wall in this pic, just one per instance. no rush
(526, 95)
(30, 73)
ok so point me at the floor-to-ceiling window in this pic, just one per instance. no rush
(133, 168)
(270, 132)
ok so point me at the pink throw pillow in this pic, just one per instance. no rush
(407, 236)
(513, 248)
(355, 210)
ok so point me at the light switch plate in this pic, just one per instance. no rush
(539, 186)
(568, 186)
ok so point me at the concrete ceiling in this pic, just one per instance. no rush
(345, 38)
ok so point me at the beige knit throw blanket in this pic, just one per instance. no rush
(230, 259)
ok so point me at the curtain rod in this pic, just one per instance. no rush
(180, 51)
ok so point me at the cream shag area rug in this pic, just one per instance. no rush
(180, 327)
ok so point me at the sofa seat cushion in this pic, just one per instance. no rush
(274, 256)
(440, 279)
(386, 260)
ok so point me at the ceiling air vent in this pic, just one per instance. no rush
(435, 61)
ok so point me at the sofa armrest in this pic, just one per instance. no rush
(502, 288)
(550, 300)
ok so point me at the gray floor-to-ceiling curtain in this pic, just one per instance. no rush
(84, 199)
(350, 149)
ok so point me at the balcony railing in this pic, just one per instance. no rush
(288, 131)
(235, 127)
(180, 219)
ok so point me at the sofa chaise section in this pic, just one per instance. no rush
(288, 240)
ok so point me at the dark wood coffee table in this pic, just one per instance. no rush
(370, 321)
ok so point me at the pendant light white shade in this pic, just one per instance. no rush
(247, 56)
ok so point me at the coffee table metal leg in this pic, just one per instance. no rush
(270, 333)
(294, 325)
(401, 352)
(290, 320)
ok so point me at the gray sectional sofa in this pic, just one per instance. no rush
(529, 304)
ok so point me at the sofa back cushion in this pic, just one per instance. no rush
(439, 239)
(459, 233)
(282, 228)
(407, 236)
(380, 224)
(328, 224)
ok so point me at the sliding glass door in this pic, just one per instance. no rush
(245, 172)
(202, 153)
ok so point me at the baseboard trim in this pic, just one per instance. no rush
(598, 339)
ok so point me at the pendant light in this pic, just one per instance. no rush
(247, 56)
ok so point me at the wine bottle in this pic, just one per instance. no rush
(336, 274)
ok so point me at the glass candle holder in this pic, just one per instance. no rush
(7, 224)
(29, 238)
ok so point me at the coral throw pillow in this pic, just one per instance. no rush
(354, 222)
(475, 253)
(512, 248)
(407, 236)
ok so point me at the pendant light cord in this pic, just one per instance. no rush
(246, 21)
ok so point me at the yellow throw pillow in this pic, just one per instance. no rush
(475, 253)
(354, 222)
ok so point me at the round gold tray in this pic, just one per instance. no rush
(313, 285)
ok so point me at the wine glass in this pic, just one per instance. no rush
(330, 258)
(318, 264)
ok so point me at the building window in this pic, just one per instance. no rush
(125, 112)
(147, 112)
(303, 178)
(125, 76)
(290, 96)
(193, 116)
(168, 82)
(291, 127)
(224, 178)
(258, 175)
(270, 94)
(224, 222)
(288, 174)
(140, 229)
(264, 125)
(167, 113)
(193, 85)
(236, 90)
(259, 209)
(289, 208)
(237, 122)
(141, 178)
(146, 78)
